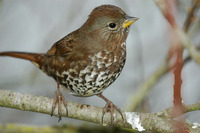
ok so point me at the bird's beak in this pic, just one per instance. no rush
(129, 21)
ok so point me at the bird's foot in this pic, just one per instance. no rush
(59, 99)
(110, 106)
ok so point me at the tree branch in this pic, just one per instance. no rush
(133, 120)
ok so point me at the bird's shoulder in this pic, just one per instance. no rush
(64, 46)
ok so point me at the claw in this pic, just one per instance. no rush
(54, 105)
(103, 113)
(65, 104)
(111, 106)
(52, 110)
(59, 98)
(60, 118)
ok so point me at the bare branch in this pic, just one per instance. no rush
(190, 16)
(133, 120)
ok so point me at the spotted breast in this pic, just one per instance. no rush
(101, 70)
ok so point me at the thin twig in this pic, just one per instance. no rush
(190, 15)
(181, 35)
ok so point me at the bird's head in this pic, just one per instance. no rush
(108, 23)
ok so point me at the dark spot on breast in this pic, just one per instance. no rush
(76, 81)
(102, 65)
(83, 82)
(72, 90)
(73, 74)
(89, 88)
(91, 69)
(84, 86)
(76, 85)
(71, 87)
(95, 77)
(90, 82)
(67, 82)
(85, 93)
(65, 76)
(83, 76)
(105, 74)
(71, 79)
(94, 90)
(101, 80)
(103, 53)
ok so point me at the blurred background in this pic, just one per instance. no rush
(34, 26)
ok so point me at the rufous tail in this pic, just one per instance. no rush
(36, 58)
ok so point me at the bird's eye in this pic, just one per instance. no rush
(112, 25)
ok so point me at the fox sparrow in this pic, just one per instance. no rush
(89, 59)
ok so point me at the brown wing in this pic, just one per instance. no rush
(63, 46)
(65, 54)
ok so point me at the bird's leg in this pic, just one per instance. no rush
(109, 104)
(59, 98)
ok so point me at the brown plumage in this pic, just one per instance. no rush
(89, 59)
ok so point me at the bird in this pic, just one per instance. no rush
(87, 60)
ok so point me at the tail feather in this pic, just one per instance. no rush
(36, 58)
